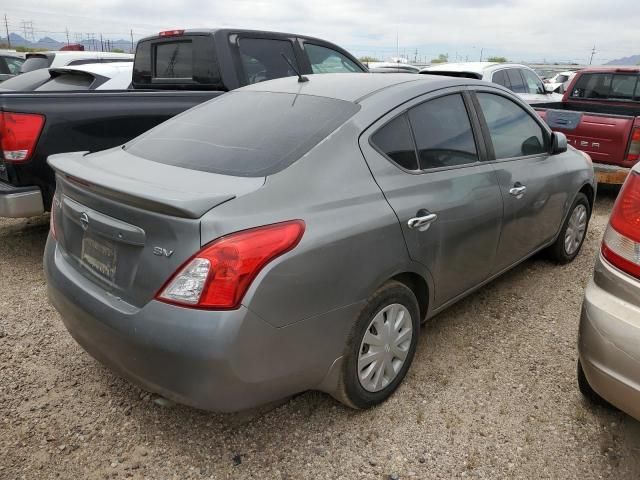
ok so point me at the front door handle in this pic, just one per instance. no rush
(518, 190)
(422, 223)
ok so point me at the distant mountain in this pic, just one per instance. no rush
(52, 44)
(632, 60)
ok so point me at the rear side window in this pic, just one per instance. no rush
(501, 79)
(604, 86)
(395, 141)
(327, 60)
(516, 81)
(68, 82)
(262, 59)
(443, 133)
(514, 133)
(14, 64)
(35, 63)
(174, 60)
(247, 134)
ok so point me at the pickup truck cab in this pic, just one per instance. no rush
(600, 115)
(172, 72)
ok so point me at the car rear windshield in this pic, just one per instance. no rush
(36, 62)
(26, 81)
(68, 81)
(248, 134)
(607, 86)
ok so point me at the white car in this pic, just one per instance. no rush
(520, 79)
(38, 60)
(392, 67)
(83, 77)
(559, 82)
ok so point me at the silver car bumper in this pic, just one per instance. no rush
(18, 202)
(609, 338)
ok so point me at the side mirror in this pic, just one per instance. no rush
(558, 143)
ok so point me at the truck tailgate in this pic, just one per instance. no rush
(604, 137)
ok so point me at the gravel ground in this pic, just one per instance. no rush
(491, 394)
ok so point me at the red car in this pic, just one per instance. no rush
(600, 115)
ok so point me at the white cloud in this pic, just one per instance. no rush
(518, 29)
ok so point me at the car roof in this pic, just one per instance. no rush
(352, 87)
(478, 68)
(611, 69)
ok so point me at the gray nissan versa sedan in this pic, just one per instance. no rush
(290, 236)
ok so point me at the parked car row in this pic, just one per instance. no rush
(200, 255)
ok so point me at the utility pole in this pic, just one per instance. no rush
(6, 26)
(67, 32)
(131, 31)
(397, 46)
(593, 52)
(481, 52)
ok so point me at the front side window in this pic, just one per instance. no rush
(624, 87)
(262, 59)
(327, 60)
(593, 86)
(443, 133)
(516, 81)
(395, 141)
(514, 133)
(533, 83)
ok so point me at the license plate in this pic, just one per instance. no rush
(99, 256)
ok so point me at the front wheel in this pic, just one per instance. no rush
(569, 242)
(381, 347)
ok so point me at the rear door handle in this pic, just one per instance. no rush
(422, 223)
(518, 190)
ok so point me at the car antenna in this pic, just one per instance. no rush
(301, 79)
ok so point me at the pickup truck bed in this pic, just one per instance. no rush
(90, 121)
(607, 127)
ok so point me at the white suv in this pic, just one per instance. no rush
(520, 79)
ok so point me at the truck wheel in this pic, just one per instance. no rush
(381, 347)
(573, 232)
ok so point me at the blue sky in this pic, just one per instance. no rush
(560, 30)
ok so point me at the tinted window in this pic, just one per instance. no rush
(27, 81)
(624, 87)
(174, 60)
(68, 82)
(247, 134)
(262, 59)
(516, 81)
(533, 83)
(443, 133)
(514, 132)
(593, 85)
(394, 140)
(327, 60)
(35, 63)
(501, 79)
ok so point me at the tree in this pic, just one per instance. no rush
(367, 59)
(442, 58)
(497, 59)
(117, 50)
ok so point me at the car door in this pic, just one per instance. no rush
(530, 179)
(427, 160)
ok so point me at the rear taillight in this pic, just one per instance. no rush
(634, 147)
(171, 33)
(19, 133)
(219, 275)
(621, 243)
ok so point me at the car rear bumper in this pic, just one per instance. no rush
(609, 343)
(610, 174)
(223, 361)
(18, 202)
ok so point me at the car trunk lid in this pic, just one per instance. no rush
(129, 232)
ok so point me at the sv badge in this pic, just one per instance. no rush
(162, 252)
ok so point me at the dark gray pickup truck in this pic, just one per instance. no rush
(173, 71)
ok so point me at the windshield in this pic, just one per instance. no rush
(26, 81)
(36, 62)
(248, 134)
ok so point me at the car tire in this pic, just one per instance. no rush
(371, 372)
(588, 392)
(573, 232)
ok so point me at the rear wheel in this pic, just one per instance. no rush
(568, 244)
(381, 347)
